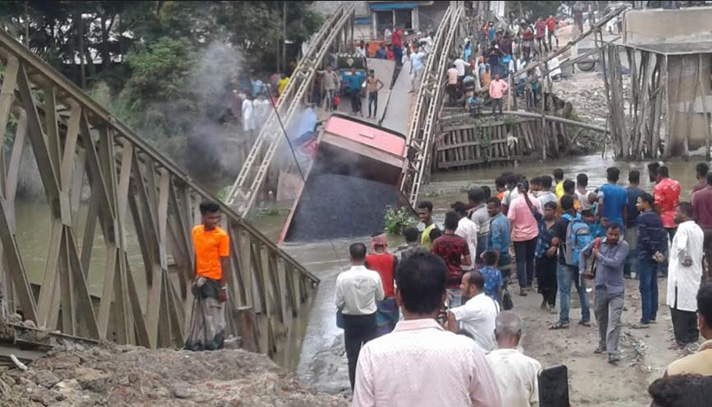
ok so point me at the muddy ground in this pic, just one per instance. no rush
(114, 375)
(592, 380)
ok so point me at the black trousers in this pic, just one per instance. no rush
(355, 101)
(525, 262)
(497, 104)
(358, 329)
(452, 94)
(684, 325)
(546, 275)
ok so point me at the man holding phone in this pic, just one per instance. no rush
(609, 254)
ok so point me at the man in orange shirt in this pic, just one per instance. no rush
(212, 262)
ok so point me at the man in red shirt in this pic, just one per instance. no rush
(385, 265)
(455, 252)
(540, 28)
(702, 213)
(667, 196)
(551, 27)
(397, 41)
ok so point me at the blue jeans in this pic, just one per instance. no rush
(565, 275)
(648, 275)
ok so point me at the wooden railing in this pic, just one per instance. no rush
(96, 171)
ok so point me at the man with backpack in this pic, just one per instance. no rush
(571, 235)
(609, 254)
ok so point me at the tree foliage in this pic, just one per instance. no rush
(531, 10)
(145, 59)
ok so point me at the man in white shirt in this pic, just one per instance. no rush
(517, 374)
(684, 276)
(467, 230)
(585, 197)
(416, 69)
(357, 291)
(477, 317)
(460, 65)
(546, 194)
(419, 363)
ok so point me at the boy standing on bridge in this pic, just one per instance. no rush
(212, 261)
(373, 86)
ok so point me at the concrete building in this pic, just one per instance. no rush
(684, 38)
(373, 17)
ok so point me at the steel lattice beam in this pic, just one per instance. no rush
(429, 99)
(244, 190)
(144, 206)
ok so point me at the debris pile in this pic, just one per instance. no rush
(128, 375)
(587, 93)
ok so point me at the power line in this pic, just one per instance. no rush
(299, 168)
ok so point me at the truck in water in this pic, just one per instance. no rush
(350, 183)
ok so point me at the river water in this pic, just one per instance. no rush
(320, 360)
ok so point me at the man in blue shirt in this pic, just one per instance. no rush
(612, 200)
(355, 80)
(498, 238)
(633, 192)
(609, 254)
(492, 276)
(651, 241)
(567, 274)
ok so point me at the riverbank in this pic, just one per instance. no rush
(128, 375)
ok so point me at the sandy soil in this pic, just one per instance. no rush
(592, 380)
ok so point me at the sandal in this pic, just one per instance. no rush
(559, 325)
(585, 323)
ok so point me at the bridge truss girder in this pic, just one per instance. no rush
(337, 29)
(428, 102)
(144, 206)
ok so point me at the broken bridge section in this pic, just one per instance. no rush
(669, 53)
(97, 173)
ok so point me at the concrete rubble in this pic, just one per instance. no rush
(134, 376)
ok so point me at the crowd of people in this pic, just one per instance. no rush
(498, 53)
(445, 294)
(252, 100)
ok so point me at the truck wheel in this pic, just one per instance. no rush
(586, 65)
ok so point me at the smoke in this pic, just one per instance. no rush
(212, 145)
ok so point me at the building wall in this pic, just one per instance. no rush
(646, 26)
(685, 26)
